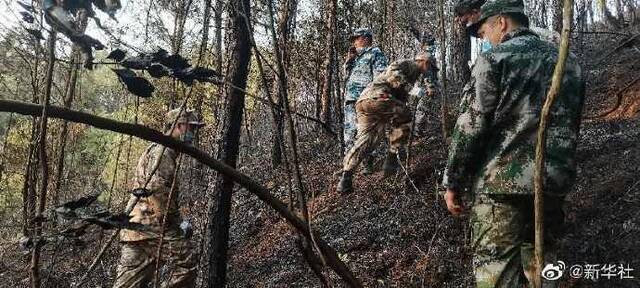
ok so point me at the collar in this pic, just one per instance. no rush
(365, 50)
(518, 32)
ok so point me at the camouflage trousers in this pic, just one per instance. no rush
(138, 263)
(349, 129)
(373, 118)
(502, 228)
(426, 112)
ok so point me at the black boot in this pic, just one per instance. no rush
(368, 166)
(345, 185)
(390, 166)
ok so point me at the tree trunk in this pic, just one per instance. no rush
(68, 99)
(325, 113)
(5, 142)
(42, 151)
(541, 140)
(461, 51)
(29, 186)
(443, 69)
(237, 72)
(557, 16)
(218, 34)
(619, 12)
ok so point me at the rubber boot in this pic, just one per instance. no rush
(345, 185)
(390, 166)
(368, 166)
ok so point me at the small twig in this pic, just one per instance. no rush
(413, 184)
(98, 257)
(433, 238)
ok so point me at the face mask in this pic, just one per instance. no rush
(485, 45)
(359, 50)
(188, 137)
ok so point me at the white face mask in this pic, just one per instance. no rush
(359, 49)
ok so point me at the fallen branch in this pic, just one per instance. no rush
(149, 134)
(603, 32)
(618, 47)
(618, 100)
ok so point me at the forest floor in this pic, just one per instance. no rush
(392, 235)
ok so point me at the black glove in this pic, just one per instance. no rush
(141, 192)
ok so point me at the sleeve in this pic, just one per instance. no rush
(379, 62)
(162, 179)
(472, 127)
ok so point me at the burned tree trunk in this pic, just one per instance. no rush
(44, 169)
(239, 13)
(461, 51)
(218, 35)
(557, 16)
(325, 112)
(443, 69)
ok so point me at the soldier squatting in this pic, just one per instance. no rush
(491, 156)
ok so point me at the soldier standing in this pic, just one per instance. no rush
(491, 156)
(427, 94)
(468, 12)
(363, 63)
(382, 104)
(138, 257)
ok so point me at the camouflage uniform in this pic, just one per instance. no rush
(382, 103)
(360, 71)
(138, 257)
(426, 106)
(493, 149)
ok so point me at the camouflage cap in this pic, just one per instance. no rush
(492, 8)
(361, 32)
(187, 116)
(423, 56)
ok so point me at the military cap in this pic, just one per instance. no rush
(492, 8)
(465, 6)
(423, 56)
(187, 116)
(361, 32)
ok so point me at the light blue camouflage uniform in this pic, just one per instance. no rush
(367, 64)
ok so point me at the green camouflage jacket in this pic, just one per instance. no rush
(395, 82)
(150, 210)
(493, 142)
